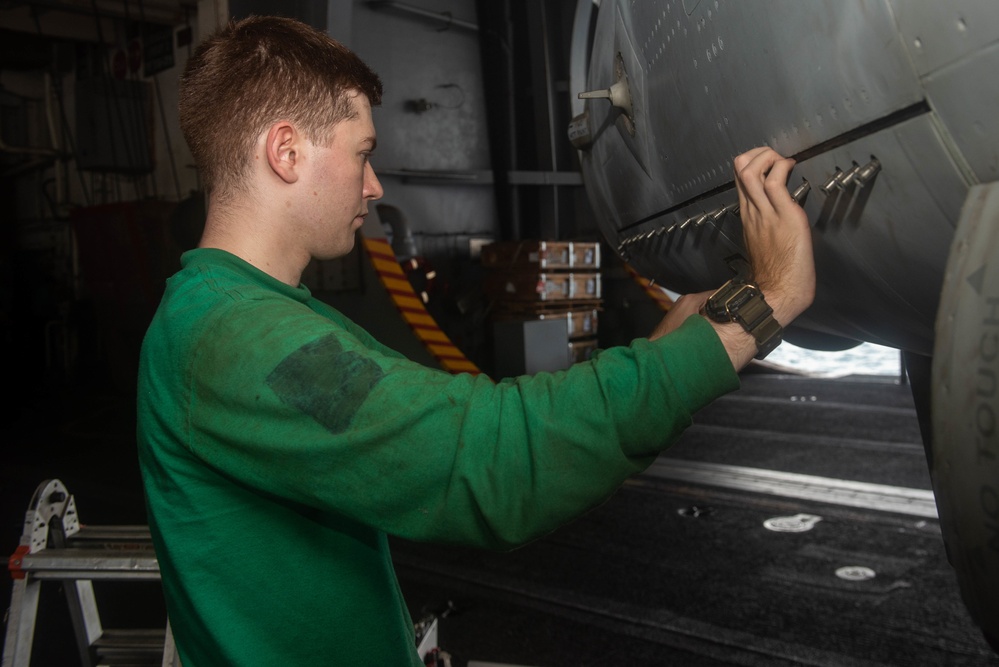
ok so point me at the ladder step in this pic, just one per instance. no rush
(114, 534)
(130, 648)
(91, 564)
(55, 546)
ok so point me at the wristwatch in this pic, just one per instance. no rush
(742, 302)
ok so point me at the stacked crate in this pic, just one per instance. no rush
(546, 280)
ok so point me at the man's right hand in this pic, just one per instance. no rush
(778, 241)
(776, 233)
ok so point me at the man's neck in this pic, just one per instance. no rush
(251, 236)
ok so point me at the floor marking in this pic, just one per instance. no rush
(880, 497)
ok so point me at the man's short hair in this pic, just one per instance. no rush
(258, 71)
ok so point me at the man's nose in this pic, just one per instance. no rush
(372, 186)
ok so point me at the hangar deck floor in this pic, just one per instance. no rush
(670, 571)
(678, 572)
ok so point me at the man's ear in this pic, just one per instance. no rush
(282, 149)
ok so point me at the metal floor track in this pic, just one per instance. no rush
(899, 500)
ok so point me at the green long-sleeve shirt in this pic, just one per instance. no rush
(279, 444)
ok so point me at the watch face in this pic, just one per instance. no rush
(744, 303)
(716, 306)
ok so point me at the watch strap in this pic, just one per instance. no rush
(742, 302)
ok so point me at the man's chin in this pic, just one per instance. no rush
(335, 253)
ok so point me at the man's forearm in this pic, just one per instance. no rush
(740, 344)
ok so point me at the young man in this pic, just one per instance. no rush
(280, 444)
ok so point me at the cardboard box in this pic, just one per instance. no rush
(585, 256)
(522, 254)
(582, 350)
(541, 255)
(548, 286)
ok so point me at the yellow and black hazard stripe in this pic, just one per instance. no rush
(394, 279)
(657, 294)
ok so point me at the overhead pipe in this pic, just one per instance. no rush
(446, 17)
(495, 46)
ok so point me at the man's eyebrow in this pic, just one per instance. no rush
(372, 141)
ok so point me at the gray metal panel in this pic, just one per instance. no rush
(722, 77)
(940, 32)
(688, 257)
(880, 250)
(822, 81)
(530, 346)
(641, 193)
(965, 96)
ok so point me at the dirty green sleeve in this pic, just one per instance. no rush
(313, 411)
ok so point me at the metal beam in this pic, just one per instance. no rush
(445, 17)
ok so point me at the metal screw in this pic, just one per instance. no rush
(867, 172)
(801, 191)
(689, 220)
(847, 179)
(832, 183)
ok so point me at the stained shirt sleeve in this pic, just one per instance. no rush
(312, 413)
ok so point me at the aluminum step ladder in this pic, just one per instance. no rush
(55, 546)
